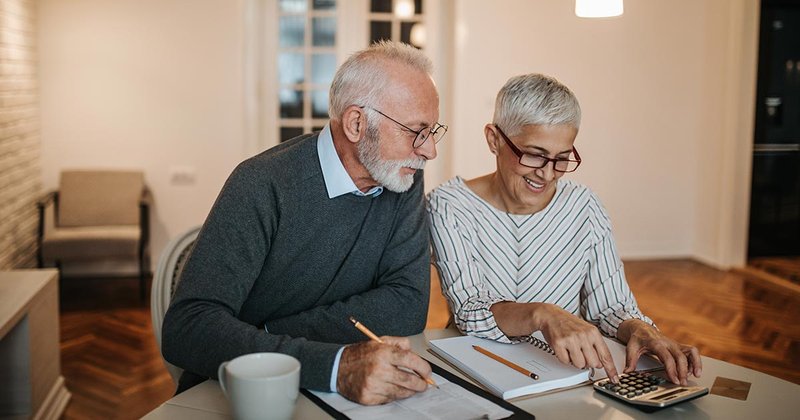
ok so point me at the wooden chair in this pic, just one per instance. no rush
(96, 216)
(439, 315)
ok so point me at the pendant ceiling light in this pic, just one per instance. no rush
(598, 8)
(404, 9)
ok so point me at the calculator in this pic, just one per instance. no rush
(648, 391)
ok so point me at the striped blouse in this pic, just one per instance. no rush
(564, 255)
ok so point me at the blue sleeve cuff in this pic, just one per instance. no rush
(335, 370)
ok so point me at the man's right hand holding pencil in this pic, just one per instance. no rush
(372, 372)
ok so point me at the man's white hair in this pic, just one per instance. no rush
(362, 77)
(535, 99)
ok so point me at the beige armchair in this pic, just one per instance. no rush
(96, 215)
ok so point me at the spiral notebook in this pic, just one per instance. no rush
(534, 355)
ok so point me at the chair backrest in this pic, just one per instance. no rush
(165, 279)
(99, 198)
(439, 315)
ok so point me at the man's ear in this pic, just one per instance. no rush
(354, 123)
(492, 138)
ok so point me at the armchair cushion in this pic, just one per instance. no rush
(91, 242)
(99, 198)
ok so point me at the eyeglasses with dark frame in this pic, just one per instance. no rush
(437, 131)
(539, 161)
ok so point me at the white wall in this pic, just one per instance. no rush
(666, 91)
(650, 85)
(148, 84)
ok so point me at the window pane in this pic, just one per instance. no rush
(291, 103)
(293, 6)
(292, 31)
(291, 68)
(417, 7)
(322, 68)
(381, 6)
(324, 32)
(405, 31)
(379, 30)
(290, 133)
(317, 128)
(324, 4)
(319, 104)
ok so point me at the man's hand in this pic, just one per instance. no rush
(678, 359)
(372, 373)
(575, 341)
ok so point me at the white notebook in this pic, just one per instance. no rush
(535, 356)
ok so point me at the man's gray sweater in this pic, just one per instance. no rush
(276, 251)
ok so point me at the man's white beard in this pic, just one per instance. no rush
(386, 172)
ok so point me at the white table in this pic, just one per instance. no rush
(769, 398)
(31, 384)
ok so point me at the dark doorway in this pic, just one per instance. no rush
(775, 194)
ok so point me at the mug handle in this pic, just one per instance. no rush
(221, 376)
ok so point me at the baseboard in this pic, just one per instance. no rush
(55, 403)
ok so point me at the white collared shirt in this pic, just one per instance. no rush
(337, 180)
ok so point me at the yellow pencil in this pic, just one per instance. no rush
(361, 327)
(508, 363)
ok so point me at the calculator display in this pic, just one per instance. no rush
(668, 394)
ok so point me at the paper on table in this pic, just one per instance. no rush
(449, 401)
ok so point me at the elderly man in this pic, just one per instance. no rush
(317, 229)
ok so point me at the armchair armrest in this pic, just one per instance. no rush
(147, 198)
(145, 201)
(50, 198)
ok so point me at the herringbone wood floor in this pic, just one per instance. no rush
(113, 369)
(727, 315)
(785, 267)
(109, 356)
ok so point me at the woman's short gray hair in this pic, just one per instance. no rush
(535, 99)
(362, 77)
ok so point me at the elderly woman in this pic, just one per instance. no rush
(522, 250)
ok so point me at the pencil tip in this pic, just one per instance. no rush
(353, 320)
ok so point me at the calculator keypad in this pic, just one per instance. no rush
(647, 390)
(634, 384)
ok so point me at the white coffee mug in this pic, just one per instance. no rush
(261, 385)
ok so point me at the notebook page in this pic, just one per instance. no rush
(500, 379)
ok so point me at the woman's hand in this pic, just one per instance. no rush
(678, 359)
(574, 340)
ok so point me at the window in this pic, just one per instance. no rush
(306, 63)
(397, 20)
(293, 48)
